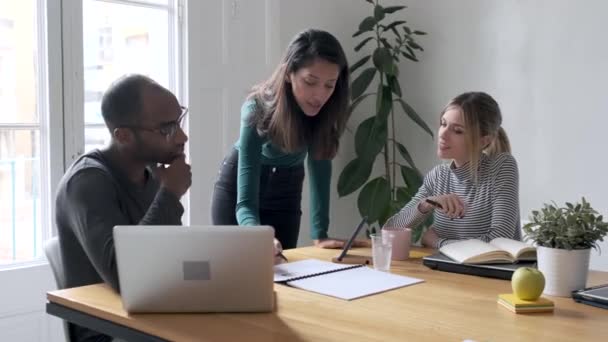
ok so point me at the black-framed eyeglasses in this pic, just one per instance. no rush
(168, 129)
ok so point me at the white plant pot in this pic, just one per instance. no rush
(564, 270)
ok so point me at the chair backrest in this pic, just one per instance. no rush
(53, 254)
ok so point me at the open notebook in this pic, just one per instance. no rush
(338, 280)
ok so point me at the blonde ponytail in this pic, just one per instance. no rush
(499, 144)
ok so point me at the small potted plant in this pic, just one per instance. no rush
(564, 237)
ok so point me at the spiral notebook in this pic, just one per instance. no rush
(338, 280)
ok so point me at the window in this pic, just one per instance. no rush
(122, 37)
(118, 37)
(22, 120)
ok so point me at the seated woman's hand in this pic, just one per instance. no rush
(451, 205)
(338, 243)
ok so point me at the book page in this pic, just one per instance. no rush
(296, 269)
(475, 251)
(517, 249)
(353, 283)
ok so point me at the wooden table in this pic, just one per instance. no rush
(446, 307)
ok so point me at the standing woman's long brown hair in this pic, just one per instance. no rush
(278, 115)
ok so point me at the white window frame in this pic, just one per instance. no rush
(50, 103)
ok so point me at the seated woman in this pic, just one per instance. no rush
(476, 195)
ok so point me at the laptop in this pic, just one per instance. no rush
(195, 269)
(441, 262)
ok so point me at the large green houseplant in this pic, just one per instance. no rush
(384, 195)
(564, 237)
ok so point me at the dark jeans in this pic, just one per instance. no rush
(279, 199)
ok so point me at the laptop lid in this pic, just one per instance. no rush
(195, 269)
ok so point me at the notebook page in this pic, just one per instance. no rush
(354, 283)
(302, 268)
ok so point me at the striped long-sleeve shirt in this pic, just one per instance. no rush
(492, 204)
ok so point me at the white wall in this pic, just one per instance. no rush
(232, 46)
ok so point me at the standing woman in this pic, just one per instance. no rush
(298, 113)
(476, 195)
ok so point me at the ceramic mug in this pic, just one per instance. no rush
(402, 239)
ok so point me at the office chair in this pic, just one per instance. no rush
(53, 254)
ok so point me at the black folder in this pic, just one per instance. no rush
(441, 262)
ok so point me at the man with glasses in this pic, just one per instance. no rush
(138, 179)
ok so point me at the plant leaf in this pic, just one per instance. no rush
(359, 64)
(393, 83)
(378, 13)
(414, 45)
(384, 104)
(411, 57)
(393, 9)
(414, 116)
(420, 33)
(367, 24)
(391, 210)
(361, 83)
(383, 60)
(412, 179)
(354, 175)
(402, 196)
(374, 198)
(406, 155)
(394, 24)
(410, 51)
(370, 139)
(407, 30)
(396, 34)
(362, 43)
(385, 43)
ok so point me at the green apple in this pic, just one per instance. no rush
(528, 283)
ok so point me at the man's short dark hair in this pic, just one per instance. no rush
(122, 102)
